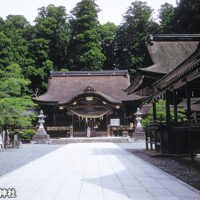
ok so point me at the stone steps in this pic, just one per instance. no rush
(90, 140)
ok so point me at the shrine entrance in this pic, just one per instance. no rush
(97, 127)
(90, 114)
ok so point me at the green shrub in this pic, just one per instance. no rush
(161, 113)
(28, 134)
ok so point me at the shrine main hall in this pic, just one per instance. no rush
(96, 100)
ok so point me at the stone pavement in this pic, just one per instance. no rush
(95, 171)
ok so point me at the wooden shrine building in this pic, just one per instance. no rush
(166, 52)
(78, 100)
(178, 133)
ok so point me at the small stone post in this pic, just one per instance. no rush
(108, 130)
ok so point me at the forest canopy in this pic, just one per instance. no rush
(77, 41)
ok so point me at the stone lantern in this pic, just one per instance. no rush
(139, 131)
(138, 119)
(41, 137)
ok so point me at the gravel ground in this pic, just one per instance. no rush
(188, 172)
(11, 159)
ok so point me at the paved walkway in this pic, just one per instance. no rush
(95, 171)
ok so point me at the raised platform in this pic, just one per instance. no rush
(90, 140)
(138, 135)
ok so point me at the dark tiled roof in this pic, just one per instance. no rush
(174, 37)
(63, 89)
(182, 71)
(91, 73)
(166, 55)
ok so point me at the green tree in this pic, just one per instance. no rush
(6, 50)
(20, 24)
(14, 100)
(51, 26)
(47, 46)
(166, 14)
(187, 17)
(132, 35)
(107, 32)
(85, 39)
(13, 45)
(183, 19)
(39, 72)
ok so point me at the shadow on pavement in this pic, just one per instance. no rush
(12, 159)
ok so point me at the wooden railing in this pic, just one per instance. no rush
(181, 137)
(93, 134)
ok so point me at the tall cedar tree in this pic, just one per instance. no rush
(51, 25)
(49, 45)
(85, 40)
(185, 19)
(108, 32)
(166, 14)
(132, 35)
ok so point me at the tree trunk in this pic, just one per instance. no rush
(6, 139)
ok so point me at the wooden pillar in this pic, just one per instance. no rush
(191, 145)
(71, 127)
(54, 116)
(190, 133)
(156, 140)
(188, 100)
(176, 120)
(151, 141)
(167, 103)
(146, 140)
(71, 131)
(108, 126)
(154, 111)
(175, 105)
(161, 141)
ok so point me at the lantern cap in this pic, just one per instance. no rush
(41, 115)
(138, 112)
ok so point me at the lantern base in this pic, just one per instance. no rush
(138, 135)
(41, 137)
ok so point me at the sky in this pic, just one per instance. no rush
(111, 10)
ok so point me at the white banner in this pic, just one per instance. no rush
(114, 122)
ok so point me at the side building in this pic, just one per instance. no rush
(78, 100)
(167, 51)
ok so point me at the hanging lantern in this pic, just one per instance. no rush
(61, 108)
(117, 107)
(89, 98)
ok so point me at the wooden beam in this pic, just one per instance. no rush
(89, 106)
